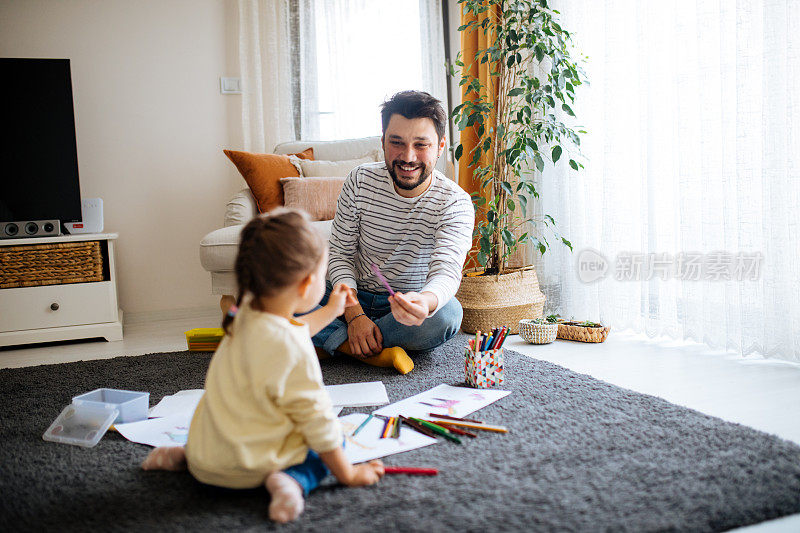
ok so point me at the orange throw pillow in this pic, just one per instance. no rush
(263, 173)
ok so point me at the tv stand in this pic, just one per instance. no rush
(49, 313)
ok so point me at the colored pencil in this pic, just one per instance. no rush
(470, 425)
(396, 428)
(448, 417)
(438, 429)
(418, 427)
(361, 426)
(477, 341)
(386, 427)
(501, 337)
(489, 342)
(455, 430)
(377, 272)
(410, 470)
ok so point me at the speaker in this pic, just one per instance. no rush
(91, 217)
(29, 228)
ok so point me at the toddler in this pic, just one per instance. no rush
(266, 417)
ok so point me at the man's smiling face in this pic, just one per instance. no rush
(411, 147)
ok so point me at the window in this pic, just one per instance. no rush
(365, 52)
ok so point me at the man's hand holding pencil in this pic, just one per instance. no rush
(412, 308)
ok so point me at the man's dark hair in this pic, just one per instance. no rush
(415, 104)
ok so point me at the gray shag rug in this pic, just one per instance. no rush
(582, 455)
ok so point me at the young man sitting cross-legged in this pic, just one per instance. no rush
(416, 225)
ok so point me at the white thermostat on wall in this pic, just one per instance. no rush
(91, 217)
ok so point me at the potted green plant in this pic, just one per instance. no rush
(515, 117)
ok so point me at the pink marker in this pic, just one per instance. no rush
(377, 272)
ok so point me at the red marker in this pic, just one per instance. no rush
(410, 470)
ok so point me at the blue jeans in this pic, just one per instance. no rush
(427, 336)
(309, 473)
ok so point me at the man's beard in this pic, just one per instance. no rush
(405, 185)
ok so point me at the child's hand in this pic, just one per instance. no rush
(341, 296)
(366, 474)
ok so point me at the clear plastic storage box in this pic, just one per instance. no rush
(81, 425)
(131, 405)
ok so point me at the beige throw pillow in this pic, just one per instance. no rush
(317, 195)
(333, 168)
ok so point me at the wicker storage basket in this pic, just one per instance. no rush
(493, 301)
(572, 332)
(50, 264)
(537, 333)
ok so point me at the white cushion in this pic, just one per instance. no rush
(218, 249)
(241, 208)
(332, 168)
(335, 150)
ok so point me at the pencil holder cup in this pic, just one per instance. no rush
(484, 369)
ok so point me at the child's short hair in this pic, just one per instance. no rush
(276, 250)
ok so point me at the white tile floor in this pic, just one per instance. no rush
(761, 394)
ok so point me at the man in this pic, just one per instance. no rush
(415, 225)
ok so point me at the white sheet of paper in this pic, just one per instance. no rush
(369, 445)
(181, 403)
(444, 400)
(165, 431)
(358, 394)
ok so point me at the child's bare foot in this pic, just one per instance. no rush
(171, 458)
(287, 497)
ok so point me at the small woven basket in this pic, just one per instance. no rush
(537, 333)
(484, 369)
(50, 264)
(573, 332)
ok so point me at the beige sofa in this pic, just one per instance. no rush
(218, 248)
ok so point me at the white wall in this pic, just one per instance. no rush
(151, 125)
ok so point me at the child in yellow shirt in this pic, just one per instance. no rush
(266, 417)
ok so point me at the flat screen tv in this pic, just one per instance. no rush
(39, 163)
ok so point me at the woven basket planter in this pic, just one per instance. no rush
(50, 264)
(573, 332)
(500, 300)
(537, 333)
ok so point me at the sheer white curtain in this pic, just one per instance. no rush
(691, 190)
(319, 69)
(366, 52)
(264, 51)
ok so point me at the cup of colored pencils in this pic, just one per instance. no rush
(483, 359)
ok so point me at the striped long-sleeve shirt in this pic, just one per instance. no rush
(419, 244)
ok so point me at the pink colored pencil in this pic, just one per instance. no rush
(377, 272)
